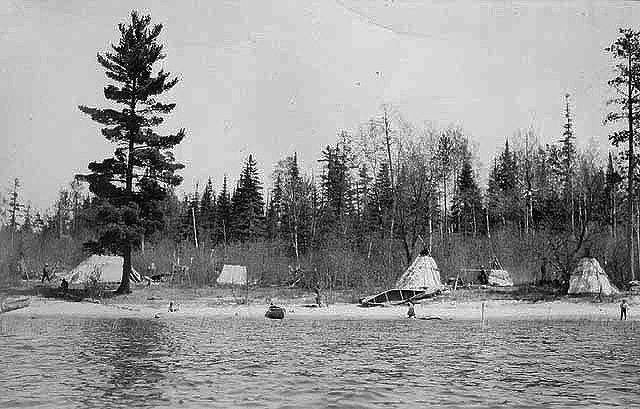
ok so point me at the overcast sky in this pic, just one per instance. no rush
(270, 78)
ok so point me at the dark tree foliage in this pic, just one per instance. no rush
(274, 213)
(467, 202)
(207, 219)
(336, 184)
(224, 213)
(247, 205)
(612, 183)
(132, 184)
(379, 210)
(292, 204)
(626, 53)
(503, 193)
(362, 192)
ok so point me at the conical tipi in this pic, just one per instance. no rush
(589, 278)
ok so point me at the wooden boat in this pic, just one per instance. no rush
(275, 312)
(10, 305)
(397, 297)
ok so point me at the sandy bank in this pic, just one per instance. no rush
(470, 310)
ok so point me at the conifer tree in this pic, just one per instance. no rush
(379, 211)
(362, 192)
(492, 200)
(502, 192)
(292, 201)
(612, 181)
(336, 183)
(27, 222)
(224, 212)
(467, 202)
(208, 212)
(626, 53)
(274, 219)
(247, 204)
(14, 209)
(567, 164)
(137, 177)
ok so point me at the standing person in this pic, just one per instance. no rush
(411, 313)
(483, 278)
(45, 272)
(623, 309)
(64, 285)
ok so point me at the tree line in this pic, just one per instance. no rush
(382, 194)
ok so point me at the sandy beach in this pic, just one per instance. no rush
(446, 310)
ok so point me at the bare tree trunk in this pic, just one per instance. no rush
(393, 185)
(430, 234)
(295, 243)
(614, 227)
(475, 226)
(14, 210)
(195, 232)
(638, 230)
(530, 210)
(445, 222)
(488, 229)
(124, 287)
(632, 164)
(573, 223)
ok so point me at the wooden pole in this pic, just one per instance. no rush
(488, 231)
(482, 315)
(195, 233)
(430, 234)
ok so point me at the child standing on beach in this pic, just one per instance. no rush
(623, 309)
(411, 313)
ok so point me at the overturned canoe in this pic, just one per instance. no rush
(10, 305)
(275, 312)
(398, 296)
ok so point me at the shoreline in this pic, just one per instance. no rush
(500, 310)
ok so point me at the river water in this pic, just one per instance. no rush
(295, 363)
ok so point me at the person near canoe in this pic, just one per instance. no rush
(46, 272)
(623, 309)
(411, 312)
(483, 278)
(64, 285)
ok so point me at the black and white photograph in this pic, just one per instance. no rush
(320, 204)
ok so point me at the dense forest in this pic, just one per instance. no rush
(357, 217)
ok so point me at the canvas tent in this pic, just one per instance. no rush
(588, 277)
(233, 274)
(110, 268)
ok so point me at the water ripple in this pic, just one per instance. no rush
(100, 363)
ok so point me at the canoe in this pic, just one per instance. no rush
(275, 312)
(10, 305)
(397, 297)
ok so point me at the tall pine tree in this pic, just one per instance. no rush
(247, 204)
(224, 213)
(207, 220)
(130, 183)
(626, 53)
(467, 202)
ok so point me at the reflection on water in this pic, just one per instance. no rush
(98, 363)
